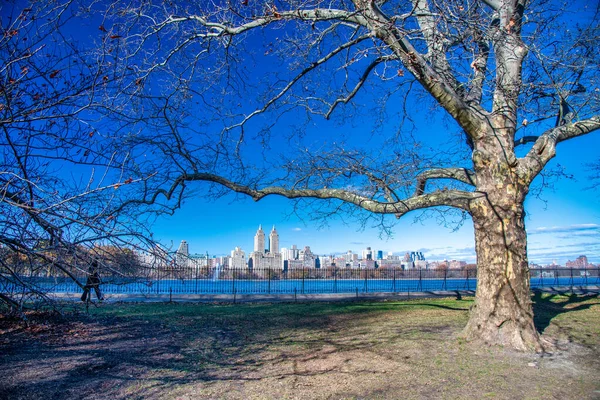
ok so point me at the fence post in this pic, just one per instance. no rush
(335, 279)
(302, 279)
(394, 282)
(571, 281)
(233, 280)
(420, 287)
(468, 286)
(445, 285)
(269, 277)
(366, 276)
(196, 289)
(359, 277)
(158, 280)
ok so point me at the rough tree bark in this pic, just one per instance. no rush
(502, 313)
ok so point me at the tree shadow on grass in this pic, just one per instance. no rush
(546, 307)
(109, 356)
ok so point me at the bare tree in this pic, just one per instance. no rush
(207, 91)
(61, 174)
(513, 77)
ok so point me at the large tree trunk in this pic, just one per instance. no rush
(502, 314)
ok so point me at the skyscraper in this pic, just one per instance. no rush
(259, 241)
(274, 241)
(294, 252)
(367, 254)
(261, 259)
(182, 255)
(238, 258)
(183, 248)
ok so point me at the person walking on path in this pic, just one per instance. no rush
(93, 282)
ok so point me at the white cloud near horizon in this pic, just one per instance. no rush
(564, 229)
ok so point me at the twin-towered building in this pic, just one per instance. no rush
(261, 257)
(272, 257)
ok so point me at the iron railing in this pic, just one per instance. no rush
(222, 280)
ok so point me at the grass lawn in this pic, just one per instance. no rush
(356, 350)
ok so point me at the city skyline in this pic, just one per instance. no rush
(309, 236)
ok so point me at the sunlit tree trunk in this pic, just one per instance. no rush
(502, 313)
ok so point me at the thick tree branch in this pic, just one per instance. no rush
(435, 41)
(469, 116)
(437, 78)
(579, 128)
(510, 52)
(216, 29)
(493, 4)
(525, 140)
(479, 66)
(460, 174)
(452, 198)
(544, 148)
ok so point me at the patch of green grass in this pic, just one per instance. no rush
(155, 311)
(247, 328)
(568, 317)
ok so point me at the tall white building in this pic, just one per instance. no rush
(274, 241)
(351, 259)
(294, 252)
(367, 254)
(184, 248)
(284, 256)
(308, 257)
(349, 256)
(260, 258)
(259, 240)
(182, 255)
(238, 258)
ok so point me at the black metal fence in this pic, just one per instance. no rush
(221, 280)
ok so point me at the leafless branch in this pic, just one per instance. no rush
(460, 174)
(544, 148)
